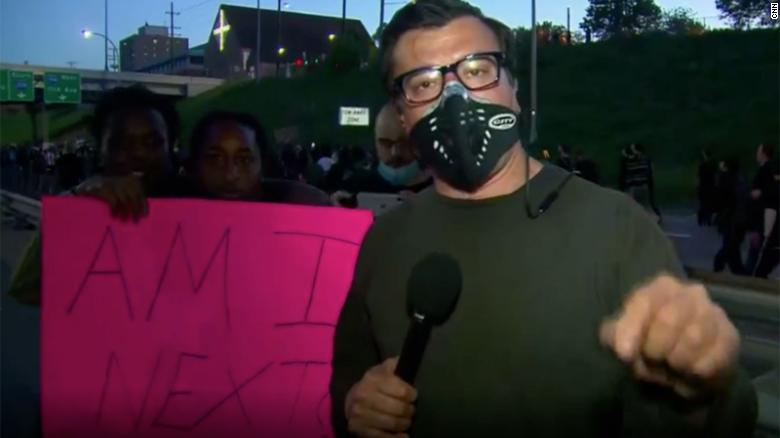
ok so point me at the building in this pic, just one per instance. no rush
(189, 64)
(287, 38)
(151, 45)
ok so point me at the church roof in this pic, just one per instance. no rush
(300, 32)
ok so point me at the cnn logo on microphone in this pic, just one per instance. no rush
(773, 11)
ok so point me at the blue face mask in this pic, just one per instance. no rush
(399, 176)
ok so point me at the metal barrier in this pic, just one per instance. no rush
(24, 209)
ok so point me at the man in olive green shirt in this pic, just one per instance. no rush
(573, 320)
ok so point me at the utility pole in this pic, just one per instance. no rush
(568, 25)
(381, 13)
(257, 45)
(532, 135)
(343, 17)
(278, 33)
(172, 35)
(105, 40)
(72, 64)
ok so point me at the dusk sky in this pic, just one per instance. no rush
(47, 32)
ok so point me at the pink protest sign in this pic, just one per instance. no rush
(206, 319)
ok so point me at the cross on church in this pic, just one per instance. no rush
(222, 30)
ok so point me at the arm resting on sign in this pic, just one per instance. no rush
(354, 348)
(26, 281)
(651, 410)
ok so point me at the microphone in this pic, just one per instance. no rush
(431, 296)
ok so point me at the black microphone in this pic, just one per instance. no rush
(431, 296)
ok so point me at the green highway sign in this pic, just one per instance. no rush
(61, 88)
(20, 86)
(3, 85)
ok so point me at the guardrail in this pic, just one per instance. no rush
(24, 209)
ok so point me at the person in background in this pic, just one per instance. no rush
(69, 170)
(763, 196)
(769, 254)
(325, 160)
(397, 169)
(229, 155)
(732, 191)
(565, 160)
(344, 163)
(636, 177)
(585, 167)
(706, 189)
(134, 129)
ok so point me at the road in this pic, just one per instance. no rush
(19, 340)
(696, 246)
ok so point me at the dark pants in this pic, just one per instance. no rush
(705, 212)
(755, 240)
(729, 253)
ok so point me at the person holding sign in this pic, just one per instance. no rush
(574, 317)
(228, 154)
(136, 131)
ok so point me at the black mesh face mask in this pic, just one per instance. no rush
(462, 139)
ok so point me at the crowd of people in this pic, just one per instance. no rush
(742, 210)
(45, 169)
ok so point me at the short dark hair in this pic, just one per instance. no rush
(200, 131)
(134, 97)
(424, 14)
(269, 161)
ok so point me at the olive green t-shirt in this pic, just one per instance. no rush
(520, 355)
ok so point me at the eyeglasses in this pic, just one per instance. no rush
(478, 71)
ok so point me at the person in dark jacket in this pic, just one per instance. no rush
(636, 177)
(732, 191)
(706, 189)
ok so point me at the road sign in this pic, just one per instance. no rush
(61, 88)
(3, 85)
(20, 86)
(353, 116)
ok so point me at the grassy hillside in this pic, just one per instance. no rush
(673, 94)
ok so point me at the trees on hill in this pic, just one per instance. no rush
(615, 18)
(681, 21)
(744, 14)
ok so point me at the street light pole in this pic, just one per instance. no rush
(88, 34)
(257, 45)
(381, 13)
(105, 45)
(278, 32)
(343, 17)
(532, 135)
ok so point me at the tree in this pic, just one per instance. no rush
(615, 18)
(347, 53)
(746, 13)
(549, 33)
(681, 21)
